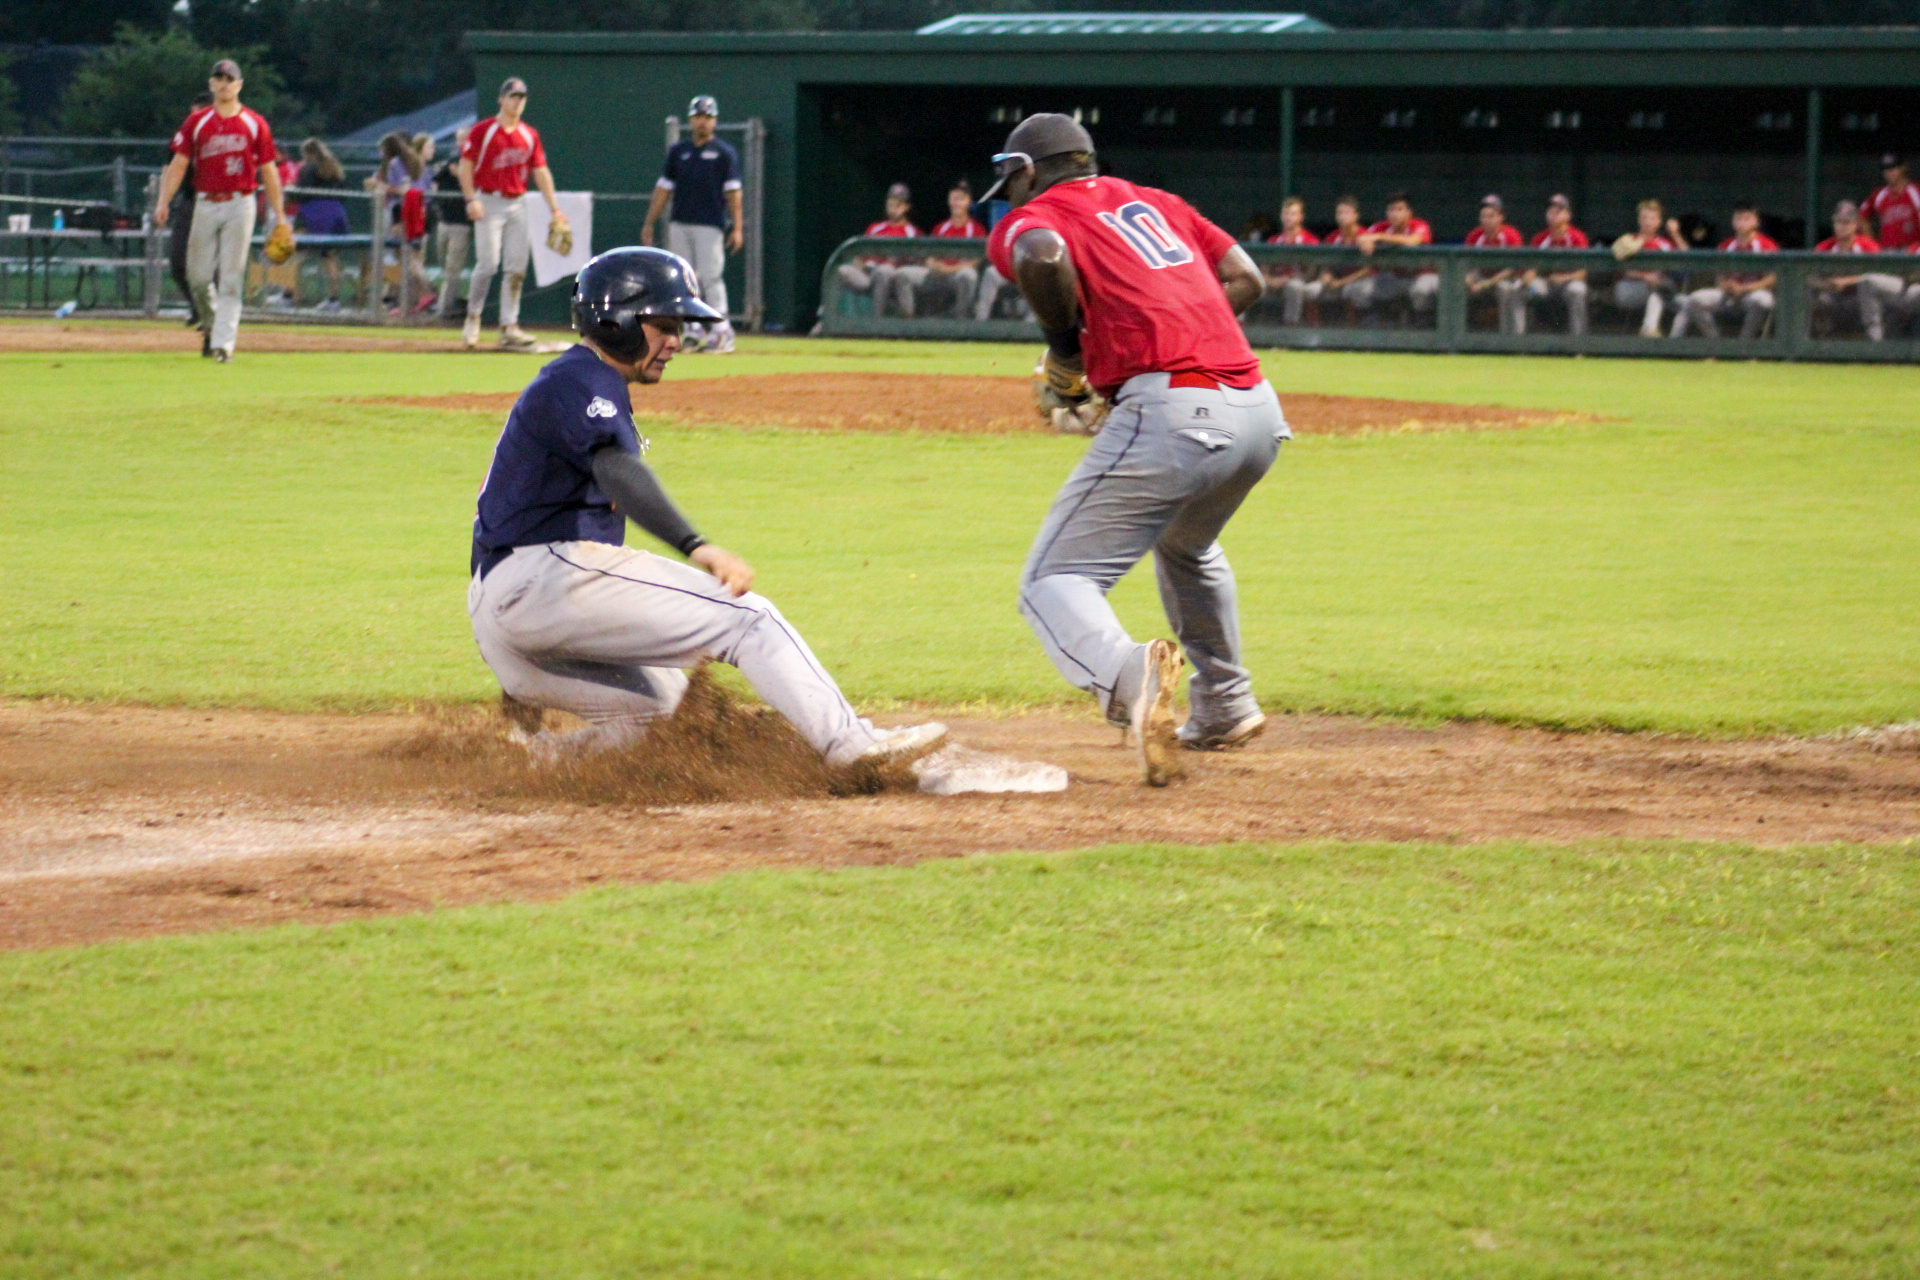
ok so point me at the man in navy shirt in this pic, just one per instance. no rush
(570, 619)
(702, 179)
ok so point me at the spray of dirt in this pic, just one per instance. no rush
(713, 749)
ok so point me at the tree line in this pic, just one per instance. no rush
(334, 65)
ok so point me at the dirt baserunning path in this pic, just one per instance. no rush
(125, 821)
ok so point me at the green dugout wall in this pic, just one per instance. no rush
(1792, 119)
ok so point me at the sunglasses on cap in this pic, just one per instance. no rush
(1005, 165)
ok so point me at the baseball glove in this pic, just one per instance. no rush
(560, 238)
(1061, 394)
(1626, 246)
(280, 243)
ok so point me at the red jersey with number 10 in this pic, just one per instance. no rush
(1151, 300)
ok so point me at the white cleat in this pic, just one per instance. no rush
(1196, 738)
(721, 341)
(470, 333)
(898, 746)
(1152, 714)
(514, 338)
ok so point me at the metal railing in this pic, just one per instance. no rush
(1448, 298)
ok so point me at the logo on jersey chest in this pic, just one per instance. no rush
(601, 408)
(222, 143)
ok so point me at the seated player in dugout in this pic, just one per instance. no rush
(570, 619)
(1569, 288)
(1745, 294)
(888, 279)
(1391, 284)
(1137, 296)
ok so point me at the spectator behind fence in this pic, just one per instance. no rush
(957, 279)
(882, 277)
(1868, 292)
(180, 227)
(1569, 287)
(323, 215)
(1895, 207)
(1495, 232)
(402, 168)
(1644, 289)
(1390, 284)
(1744, 293)
(454, 235)
(1297, 286)
(1347, 231)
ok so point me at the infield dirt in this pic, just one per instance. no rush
(121, 821)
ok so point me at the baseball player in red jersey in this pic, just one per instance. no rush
(1495, 232)
(1137, 295)
(961, 275)
(1870, 291)
(1297, 287)
(1746, 292)
(880, 276)
(1895, 207)
(1568, 286)
(501, 153)
(1643, 290)
(1387, 284)
(231, 151)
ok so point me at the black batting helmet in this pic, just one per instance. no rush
(618, 289)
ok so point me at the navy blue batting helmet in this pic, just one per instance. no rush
(621, 287)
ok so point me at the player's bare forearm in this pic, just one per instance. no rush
(736, 234)
(276, 199)
(474, 210)
(170, 179)
(543, 179)
(655, 207)
(1043, 269)
(1240, 277)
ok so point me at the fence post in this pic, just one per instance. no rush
(373, 272)
(1450, 308)
(756, 214)
(404, 256)
(119, 184)
(1793, 309)
(154, 251)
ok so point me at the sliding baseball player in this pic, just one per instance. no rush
(569, 618)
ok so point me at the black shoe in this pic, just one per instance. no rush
(206, 343)
(193, 320)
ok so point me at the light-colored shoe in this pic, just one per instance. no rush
(470, 333)
(513, 337)
(1152, 714)
(897, 746)
(1196, 737)
(721, 343)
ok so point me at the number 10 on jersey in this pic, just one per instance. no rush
(1147, 234)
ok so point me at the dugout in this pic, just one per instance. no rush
(1233, 114)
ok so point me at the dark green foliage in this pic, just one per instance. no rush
(140, 86)
(68, 22)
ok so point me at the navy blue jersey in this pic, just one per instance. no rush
(698, 176)
(540, 487)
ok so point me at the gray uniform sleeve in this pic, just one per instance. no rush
(636, 492)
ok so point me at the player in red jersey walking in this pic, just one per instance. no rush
(1136, 294)
(1895, 207)
(230, 149)
(501, 153)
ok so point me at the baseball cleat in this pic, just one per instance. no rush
(1152, 714)
(513, 337)
(900, 746)
(1195, 737)
(222, 356)
(470, 333)
(206, 344)
(721, 343)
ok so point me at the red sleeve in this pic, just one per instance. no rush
(1426, 233)
(1307, 237)
(539, 160)
(1867, 244)
(180, 146)
(264, 150)
(1580, 240)
(1014, 225)
(1213, 242)
(475, 137)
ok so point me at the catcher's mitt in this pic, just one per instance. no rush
(1061, 394)
(280, 243)
(560, 238)
(1626, 246)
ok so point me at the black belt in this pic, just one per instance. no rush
(492, 559)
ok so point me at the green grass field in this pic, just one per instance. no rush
(1732, 551)
(1296, 1062)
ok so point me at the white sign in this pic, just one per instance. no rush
(548, 266)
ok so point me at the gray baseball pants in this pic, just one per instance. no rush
(217, 250)
(706, 248)
(1166, 473)
(607, 632)
(500, 248)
